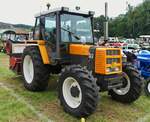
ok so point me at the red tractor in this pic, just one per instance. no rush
(14, 41)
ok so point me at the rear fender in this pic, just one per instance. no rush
(43, 51)
(42, 47)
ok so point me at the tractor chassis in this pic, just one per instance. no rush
(107, 82)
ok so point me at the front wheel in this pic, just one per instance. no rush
(132, 86)
(78, 92)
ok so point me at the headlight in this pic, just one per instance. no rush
(108, 69)
(116, 68)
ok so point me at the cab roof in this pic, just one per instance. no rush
(64, 9)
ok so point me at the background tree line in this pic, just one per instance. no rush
(135, 22)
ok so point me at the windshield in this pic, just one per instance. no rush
(8, 36)
(14, 37)
(73, 26)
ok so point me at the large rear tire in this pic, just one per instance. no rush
(132, 86)
(35, 73)
(78, 92)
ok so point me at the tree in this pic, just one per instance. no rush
(135, 22)
(98, 25)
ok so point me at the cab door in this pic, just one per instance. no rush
(50, 35)
(45, 29)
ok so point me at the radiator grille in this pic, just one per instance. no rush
(108, 61)
(112, 52)
(113, 60)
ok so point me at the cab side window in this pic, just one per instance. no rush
(50, 28)
(37, 29)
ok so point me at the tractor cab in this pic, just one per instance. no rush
(62, 27)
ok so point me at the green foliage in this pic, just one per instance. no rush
(98, 25)
(28, 27)
(135, 22)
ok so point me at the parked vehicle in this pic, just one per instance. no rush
(145, 46)
(11, 36)
(141, 61)
(85, 68)
(115, 42)
(134, 50)
(131, 44)
(143, 65)
(145, 42)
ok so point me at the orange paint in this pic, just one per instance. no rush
(42, 48)
(79, 49)
(101, 61)
(43, 51)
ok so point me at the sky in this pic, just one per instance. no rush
(23, 11)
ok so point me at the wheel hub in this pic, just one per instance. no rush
(75, 91)
(125, 87)
(72, 92)
(124, 83)
(28, 69)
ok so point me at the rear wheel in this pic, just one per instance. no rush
(78, 92)
(132, 86)
(35, 73)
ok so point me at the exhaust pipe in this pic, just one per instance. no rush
(106, 23)
(106, 37)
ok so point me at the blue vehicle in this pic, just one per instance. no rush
(143, 65)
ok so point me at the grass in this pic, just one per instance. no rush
(47, 103)
(11, 110)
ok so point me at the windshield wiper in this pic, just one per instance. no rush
(77, 37)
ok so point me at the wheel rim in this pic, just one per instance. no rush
(73, 100)
(124, 90)
(28, 69)
(148, 87)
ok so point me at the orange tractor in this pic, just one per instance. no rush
(63, 43)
